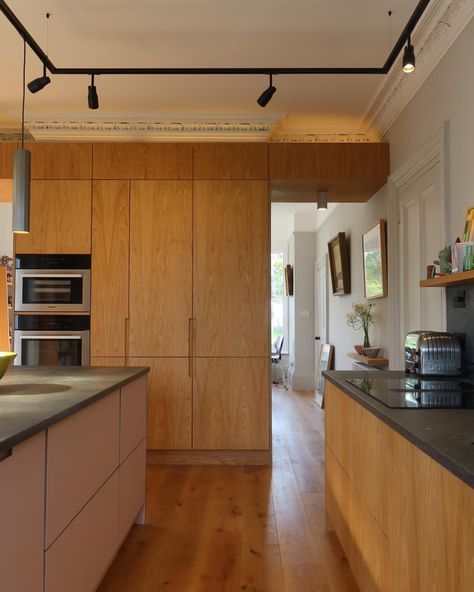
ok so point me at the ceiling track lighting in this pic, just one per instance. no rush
(408, 57)
(21, 172)
(92, 96)
(322, 201)
(267, 94)
(264, 98)
(39, 83)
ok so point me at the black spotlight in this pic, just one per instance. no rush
(39, 83)
(408, 57)
(92, 97)
(267, 94)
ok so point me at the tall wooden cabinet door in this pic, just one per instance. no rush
(231, 404)
(60, 218)
(160, 268)
(110, 261)
(169, 402)
(231, 268)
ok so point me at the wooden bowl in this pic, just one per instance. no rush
(6, 358)
(371, 352)
(359, 349)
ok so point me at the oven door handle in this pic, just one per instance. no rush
(51, 337)
(52, 275)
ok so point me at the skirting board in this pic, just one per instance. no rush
(209, 457)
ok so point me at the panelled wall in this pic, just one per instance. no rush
(179, 237)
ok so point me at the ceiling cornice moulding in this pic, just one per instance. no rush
(324, 136)
(175, 129)
(443, 22)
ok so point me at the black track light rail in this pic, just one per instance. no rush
(34, 46)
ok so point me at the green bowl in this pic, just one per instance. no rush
(6, 358)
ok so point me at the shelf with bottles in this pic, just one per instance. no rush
(446, 281)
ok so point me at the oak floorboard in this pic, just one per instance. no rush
(240, 529)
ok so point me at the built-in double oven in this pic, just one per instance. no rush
(52, 306)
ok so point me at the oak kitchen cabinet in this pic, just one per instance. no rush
(60, 218)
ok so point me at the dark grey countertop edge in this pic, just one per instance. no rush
(364, 400)
(23, 435)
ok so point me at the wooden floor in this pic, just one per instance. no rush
(240, 529)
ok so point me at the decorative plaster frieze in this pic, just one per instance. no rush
(218, 128)
(442, 24)
(354, 136)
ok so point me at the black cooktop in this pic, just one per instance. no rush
(418, 393)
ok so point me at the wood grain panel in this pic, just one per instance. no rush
(231, 403)
(105, 361)
(231, 161)
(169, 402)
(446, 530)
(110, 268)
(142, 161)
(210, 457)
(160, 268)
(6, 159)
(231, 268)
(60, 218)
(328, 161)
(60, 160)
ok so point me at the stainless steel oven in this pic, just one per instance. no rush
(46, 283)
(52, 340)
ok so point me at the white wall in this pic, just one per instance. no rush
(446, 96)
(354, 220)
(6, 236)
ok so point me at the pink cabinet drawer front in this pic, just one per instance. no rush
(132, 488)
(132, 416)
(22, 517)
(82, 453)
(78, 559)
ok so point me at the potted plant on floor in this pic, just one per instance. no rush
(363, 317)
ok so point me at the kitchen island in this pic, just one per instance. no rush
(399, 489)
(72, 473)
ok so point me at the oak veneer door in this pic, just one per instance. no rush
(110, 255)
(60, 218)
(231, 404)
(169, 402)
(231, 268)
(160, 268)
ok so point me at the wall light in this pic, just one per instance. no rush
(408, 57)
(322, 200)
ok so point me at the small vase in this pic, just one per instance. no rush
(366, 339)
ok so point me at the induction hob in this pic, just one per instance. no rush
(418, 393)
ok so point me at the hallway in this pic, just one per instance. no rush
(231, 529)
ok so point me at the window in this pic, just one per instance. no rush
(277, 295)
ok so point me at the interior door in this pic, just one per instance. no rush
(321, 309)
(421, 228)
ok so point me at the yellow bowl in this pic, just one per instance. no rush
(6, 358)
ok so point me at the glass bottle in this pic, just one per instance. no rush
(468, 261)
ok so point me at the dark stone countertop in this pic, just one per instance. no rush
(34, 398)
(447, 435)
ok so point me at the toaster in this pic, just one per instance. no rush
(432, 353)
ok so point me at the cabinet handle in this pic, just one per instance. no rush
(191, 347)
(5, 454)
(126, 340)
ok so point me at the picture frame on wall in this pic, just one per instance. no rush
(326, 355)
(289, 280)
(374, 258)
(339, 265)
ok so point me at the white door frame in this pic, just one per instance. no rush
(431, 153)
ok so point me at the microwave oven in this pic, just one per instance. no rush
(50, 283)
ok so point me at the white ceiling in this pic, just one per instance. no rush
(203, 33)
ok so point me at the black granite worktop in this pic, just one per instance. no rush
(447, 435)
(34, 398)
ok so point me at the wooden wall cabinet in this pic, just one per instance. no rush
(6, 159)
(60, 218)
(230, 161)
(60, 160)
(405, 522)
(110, 268)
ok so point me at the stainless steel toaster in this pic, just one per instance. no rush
(432, 353)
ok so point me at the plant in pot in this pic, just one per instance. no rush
(363, 317)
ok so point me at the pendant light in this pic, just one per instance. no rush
(322, 201)
(408, 57)
(21, 172)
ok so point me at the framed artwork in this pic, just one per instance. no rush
(326, 355)
(339, 265)
(374, 254)
(289, 280)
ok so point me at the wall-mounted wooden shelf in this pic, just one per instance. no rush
(445, 281)
(369, 361)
